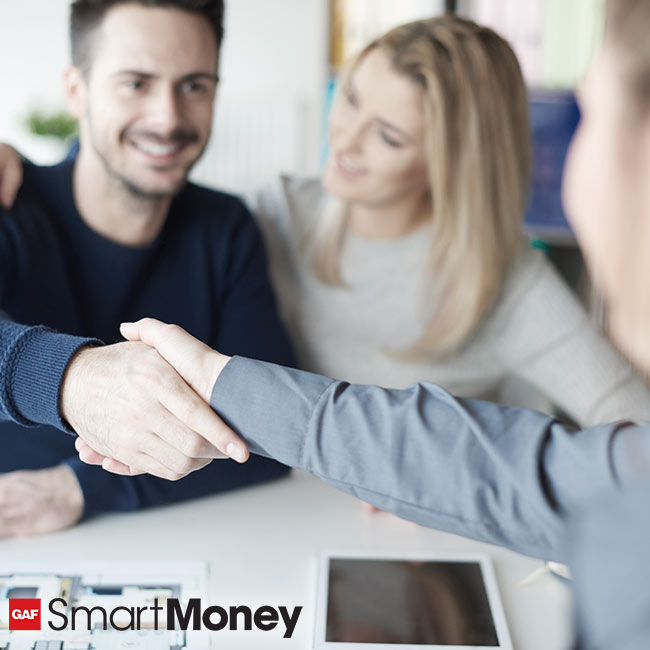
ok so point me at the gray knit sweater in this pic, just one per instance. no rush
(537, 331)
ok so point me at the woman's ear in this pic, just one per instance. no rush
(74, 88)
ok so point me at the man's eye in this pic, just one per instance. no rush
(194, 88)
(134, 84)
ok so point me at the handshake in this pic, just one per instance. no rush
(142, 406)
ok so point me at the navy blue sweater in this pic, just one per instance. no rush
(62, 285)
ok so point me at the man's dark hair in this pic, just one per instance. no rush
(86, 16)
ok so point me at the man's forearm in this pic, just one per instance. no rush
(481, 470)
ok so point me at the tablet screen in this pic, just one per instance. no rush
(408, 602)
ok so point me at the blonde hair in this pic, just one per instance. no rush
(478, 145)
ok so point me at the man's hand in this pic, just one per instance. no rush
(128, 404)
(89, 456)
(39, 501)
(11, 175)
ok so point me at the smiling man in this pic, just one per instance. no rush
(143, 88)
(116, 234)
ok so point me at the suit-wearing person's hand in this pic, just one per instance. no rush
(33, 502)
(198, 364)
(11, 175)
(130, 405)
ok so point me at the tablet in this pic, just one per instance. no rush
(416, 602)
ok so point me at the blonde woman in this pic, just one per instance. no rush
(405, 262)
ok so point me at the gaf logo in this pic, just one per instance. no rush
(24, 613)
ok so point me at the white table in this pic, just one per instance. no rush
(262, 544)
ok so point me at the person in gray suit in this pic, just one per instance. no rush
(507, 476)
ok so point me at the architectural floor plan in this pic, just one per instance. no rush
(112, 606)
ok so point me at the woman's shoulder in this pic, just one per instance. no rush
(531, 273)
(534, 295)
(289, 201)
(287, 209)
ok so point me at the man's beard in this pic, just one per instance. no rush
(131, 187)
(135, 191)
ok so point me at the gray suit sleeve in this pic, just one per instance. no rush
(608, 554)
(493, 473)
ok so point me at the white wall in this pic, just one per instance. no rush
(274, 57)
(33, 53)
(274, 76)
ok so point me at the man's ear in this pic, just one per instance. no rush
(74, 88)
